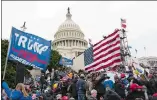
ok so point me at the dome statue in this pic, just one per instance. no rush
(69, 39)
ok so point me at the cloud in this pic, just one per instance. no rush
(95, 18)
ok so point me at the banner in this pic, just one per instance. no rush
(65, 61)
(29, 49)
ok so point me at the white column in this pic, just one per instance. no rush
(74, 42)
(78, 43)
(64, 42)
(81, 44)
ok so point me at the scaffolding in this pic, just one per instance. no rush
(125, 52)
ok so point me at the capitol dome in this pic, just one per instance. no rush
(69, 39)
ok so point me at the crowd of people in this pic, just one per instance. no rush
(69, 85)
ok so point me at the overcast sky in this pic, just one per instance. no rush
(95, 18)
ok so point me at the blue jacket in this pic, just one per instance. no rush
(80, 86)
(108, 83)
(125, 82)
(15, 94)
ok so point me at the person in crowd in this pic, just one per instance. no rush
(93, 95)
(136, 91)
(98, 86)
(42, 80)
(124, 80)
(119, 87)
(72, 89)
(89, 85)
(111, 95)
(108, 83)
(152, 84)
(64, 86)
(154, 97)
(81, 87)
(18, 94)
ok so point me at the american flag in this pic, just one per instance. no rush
(123, 23)
(104, 54)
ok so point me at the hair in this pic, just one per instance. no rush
(93, 91)
(22, 88)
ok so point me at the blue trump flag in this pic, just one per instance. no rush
(65, 61)
(29, 49)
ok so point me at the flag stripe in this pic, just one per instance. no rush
(106, 66)
(106, 43)
(112, 64)
(108, 59)
(96, 62)
(109, 38)
(106, 47)
(106, 53)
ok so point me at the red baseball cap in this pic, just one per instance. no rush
(155, 95)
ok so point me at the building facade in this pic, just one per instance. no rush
(149, 61)
(69, 39)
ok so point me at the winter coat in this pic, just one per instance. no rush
(153, 85)
(64, 89)
(100, 88)
(15, 94)
(81, 86)
(111, 95)
(120, 89)
(135, 94)
(73, 90)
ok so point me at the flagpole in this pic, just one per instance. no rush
(6, 61)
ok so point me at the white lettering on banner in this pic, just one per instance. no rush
(30, 44)
(17, 35)
(22, 40)
(22, 60)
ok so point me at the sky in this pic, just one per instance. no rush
(95, 18)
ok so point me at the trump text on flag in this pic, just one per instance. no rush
(29, 49)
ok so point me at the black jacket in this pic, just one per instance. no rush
(135, 94)
(111, 95)
(120, 89)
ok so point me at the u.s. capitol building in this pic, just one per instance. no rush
(69, 39)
